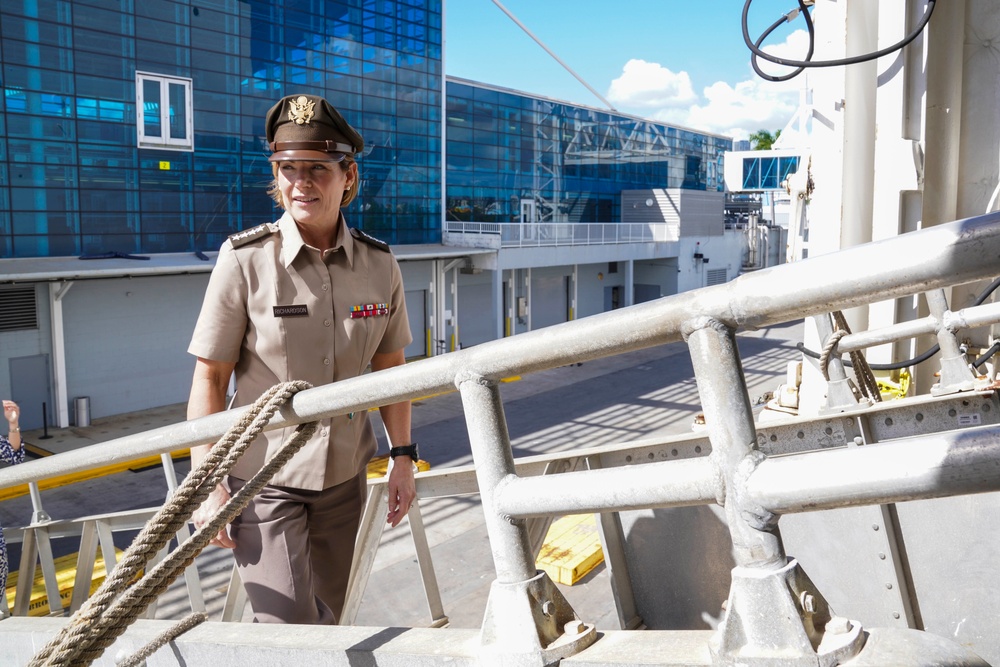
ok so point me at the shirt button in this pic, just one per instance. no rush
(326, 288)
(326, 362)
(323, 433)
(326, 323)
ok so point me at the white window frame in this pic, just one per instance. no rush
(185, 143)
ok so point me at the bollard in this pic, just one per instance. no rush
(45, 423)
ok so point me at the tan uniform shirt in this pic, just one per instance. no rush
(284, 311)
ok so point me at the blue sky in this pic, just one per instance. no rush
(682, 62)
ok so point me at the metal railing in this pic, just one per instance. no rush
(528, 622)
(534, 234)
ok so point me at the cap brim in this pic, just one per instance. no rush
(312, 156)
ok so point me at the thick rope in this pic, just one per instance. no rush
(137, 659)
(107, 614)
(828, 348)
(862, 369)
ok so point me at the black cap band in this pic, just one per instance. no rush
(325, 146)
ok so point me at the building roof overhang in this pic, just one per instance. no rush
(55, 269)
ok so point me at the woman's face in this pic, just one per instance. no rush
(312, 191)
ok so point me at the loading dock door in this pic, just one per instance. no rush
(476, 324)
(30, 387)
(550, 298)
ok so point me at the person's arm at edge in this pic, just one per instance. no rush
(11, 413)
(208, 396)
(396, 417)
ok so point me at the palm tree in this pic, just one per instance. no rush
(762, 140)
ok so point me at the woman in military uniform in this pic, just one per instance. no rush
(304, 298)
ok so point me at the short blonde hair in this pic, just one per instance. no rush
(274, 192)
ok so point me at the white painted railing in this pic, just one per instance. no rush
(533, 234)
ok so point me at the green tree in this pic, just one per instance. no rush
(762, 140)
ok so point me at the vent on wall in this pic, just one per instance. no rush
(716, 276)
(18, 310)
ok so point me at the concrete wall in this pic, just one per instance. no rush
(26, 343)
(688, 212)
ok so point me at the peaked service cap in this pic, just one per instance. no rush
(307, 127)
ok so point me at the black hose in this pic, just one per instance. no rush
(921, 358)
(756, 51)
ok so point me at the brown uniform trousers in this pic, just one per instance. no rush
(298, 533)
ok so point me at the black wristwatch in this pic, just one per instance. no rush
(409, 450)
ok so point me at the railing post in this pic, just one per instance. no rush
(955, 372)
(839, 394)
(528, 622)
(797, 628)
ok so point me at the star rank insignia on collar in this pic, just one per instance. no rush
(250, 235)
(369, 239)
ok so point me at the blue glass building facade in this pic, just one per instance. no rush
(571, 162)
(136, 126)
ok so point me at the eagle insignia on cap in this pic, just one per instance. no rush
(301, 110)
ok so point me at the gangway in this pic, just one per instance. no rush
(854, 455)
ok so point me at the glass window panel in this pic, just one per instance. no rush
(101, 87)
(226, 21)
(102, 65)
(207, 41)
(170, 12)
(100, 215)
(101, 42)
(25, 245)
(106, 178)
(42, 199)
(35, 31)
(151, 124)
(103, 132)
(95, 155)
(58, 61)
(178, 111)
(32, 127)
(115, 22)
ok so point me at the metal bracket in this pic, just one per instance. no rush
(798, 629)
(531, 624)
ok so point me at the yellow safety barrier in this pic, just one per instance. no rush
(572, 549)
(65, 576)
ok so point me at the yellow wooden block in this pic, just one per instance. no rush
(65, 577)
(379, 466)
(571, 550)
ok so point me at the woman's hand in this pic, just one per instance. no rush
(11, 412)
(208, 509)
(402, 490)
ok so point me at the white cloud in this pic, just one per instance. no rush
(737, 110)
(646, 85)
(742, 109)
